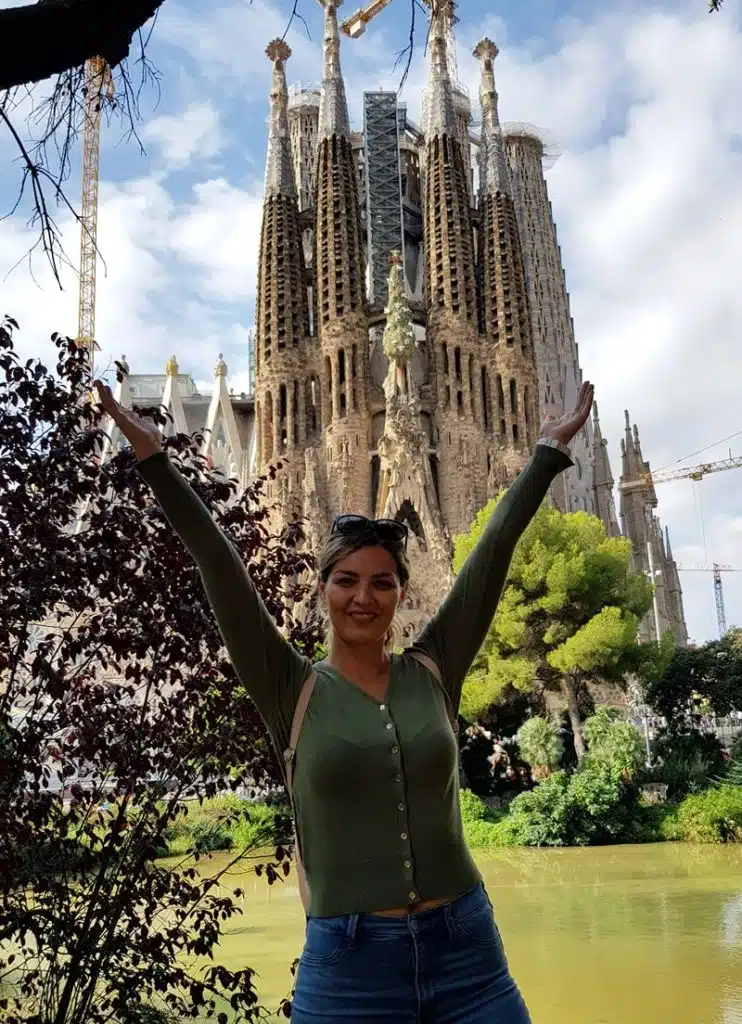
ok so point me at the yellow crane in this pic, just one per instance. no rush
(695, 473)
(98, 89)
(355, 25)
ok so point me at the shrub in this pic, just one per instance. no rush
(714, 816)
(540, 745)
(686, 762)
(482, 825)
(615, 742)
(542, 817)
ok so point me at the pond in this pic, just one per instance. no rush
(605, 935)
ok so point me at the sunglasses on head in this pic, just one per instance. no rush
(386, 530)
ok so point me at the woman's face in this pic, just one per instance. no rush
(362, 593)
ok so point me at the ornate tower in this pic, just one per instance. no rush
(406, 487)
(451, 295)
(556, 352)
(605, 506)
(506, 321)
(340, 292)
(286, 387)
(641, 527)
(675, 595)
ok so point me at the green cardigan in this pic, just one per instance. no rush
(375, 784)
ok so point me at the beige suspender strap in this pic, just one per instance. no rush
(435, 672)
(289, 755)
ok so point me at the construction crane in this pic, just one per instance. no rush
(694, 473)
(683, 473)
(717, 570)
(355, 26)
(97, 90)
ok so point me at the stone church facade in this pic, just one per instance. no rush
(412, 324)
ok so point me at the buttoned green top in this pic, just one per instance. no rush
(376, 786)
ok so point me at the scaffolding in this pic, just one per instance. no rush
(384, 231)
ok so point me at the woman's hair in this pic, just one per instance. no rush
(340, 545)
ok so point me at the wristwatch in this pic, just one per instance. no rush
(551, 442)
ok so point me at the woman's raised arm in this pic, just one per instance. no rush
(267, 666)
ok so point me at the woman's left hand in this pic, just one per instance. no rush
(564, 428)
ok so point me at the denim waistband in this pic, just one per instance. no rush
(423, 921)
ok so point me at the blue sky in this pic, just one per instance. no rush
(644, 102)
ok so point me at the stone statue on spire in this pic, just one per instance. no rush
(399, 335)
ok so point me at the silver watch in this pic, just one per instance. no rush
(551, 442)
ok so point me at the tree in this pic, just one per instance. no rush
(569, 612)
(695, 680)
(114, 687)
(541, 746)
(613, 741)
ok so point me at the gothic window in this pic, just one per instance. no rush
(485, 398)
(295, 412)
(282, 411)
(513, 398)
(353, 373)
(268, 429)
(444, 354)
(457, 363)
(435, 474)
(471, 386)
(375, 481)
(527, 414)
(341, 381)
(330, 397)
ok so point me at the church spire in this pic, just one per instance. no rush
(282, 321)
(605, 505)
(505, 310)
(441, 115)
(496, 176)
(449, 241)
(340, 270)
(279, 171)
(333, 109)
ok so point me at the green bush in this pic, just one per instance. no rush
(614, 741)
(224, 823)
(593, 806)
(482, 825)
(714, 816)
(687, 762)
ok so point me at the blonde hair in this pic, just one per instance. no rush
(339, 545)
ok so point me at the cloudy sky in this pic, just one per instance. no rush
(645, 101)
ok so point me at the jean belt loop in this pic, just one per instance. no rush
(450, 920)
(350, 931)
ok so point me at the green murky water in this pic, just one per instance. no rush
(609, 935)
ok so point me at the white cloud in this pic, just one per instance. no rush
(195, 134)
(218, 233)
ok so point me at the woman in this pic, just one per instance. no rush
(400, 928)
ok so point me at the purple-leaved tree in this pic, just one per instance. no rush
(116, 702)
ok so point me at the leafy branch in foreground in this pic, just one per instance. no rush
(117, 704)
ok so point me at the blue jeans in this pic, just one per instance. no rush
(440, 966)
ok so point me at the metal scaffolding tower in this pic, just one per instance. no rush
(721, 617)
(383, 188)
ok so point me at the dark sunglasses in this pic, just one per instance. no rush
(386, 530)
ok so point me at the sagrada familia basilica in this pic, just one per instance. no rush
(412, 327)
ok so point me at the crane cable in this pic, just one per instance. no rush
(698, 452)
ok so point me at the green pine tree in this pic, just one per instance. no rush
(569, 612)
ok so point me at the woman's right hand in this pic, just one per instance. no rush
(143, 437)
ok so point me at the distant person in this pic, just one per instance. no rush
(399, 925)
